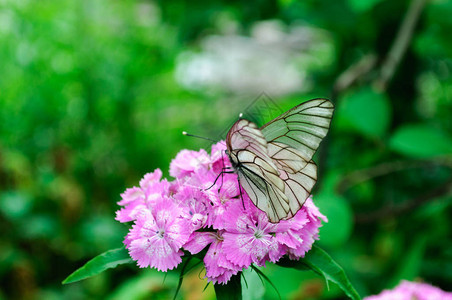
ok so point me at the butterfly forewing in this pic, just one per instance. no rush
(257, 172)
(303, 127)
(285, 157)
(245, 135)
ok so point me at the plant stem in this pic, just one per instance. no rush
(400, 45)
(232, 290)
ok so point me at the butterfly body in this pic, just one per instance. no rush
(274, 163)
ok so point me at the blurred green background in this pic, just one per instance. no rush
(94, 94)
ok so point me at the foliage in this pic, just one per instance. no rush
(320, 262)
(316, 260)
(100, 263)
(91, 98)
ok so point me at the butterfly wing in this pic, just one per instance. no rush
(293, 138)
(265, 195)
(302, 128)
(274, 164)
(299, 176)
(258, 175)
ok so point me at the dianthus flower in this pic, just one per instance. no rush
(203, 210)
(158, 235)
(407, 290)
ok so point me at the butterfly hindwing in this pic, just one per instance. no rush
(264, 195)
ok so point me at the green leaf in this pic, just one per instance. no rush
(338, 229)
(320, 262)
(253, 283)
(365, 111)
(147, 284)
(189, 262)
(360, 6)
(232, 290)
(421, 141)
(100, 263)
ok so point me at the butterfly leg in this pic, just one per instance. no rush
(216, 179)
(240, 191)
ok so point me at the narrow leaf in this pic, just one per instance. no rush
(100, 263)
(181, 277)
(410, 264)
(189, 262)
(263, 276)
(320, 262)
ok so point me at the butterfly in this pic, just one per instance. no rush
(274, 163)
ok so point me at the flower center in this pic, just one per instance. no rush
(161, 233)
(258, 233)
(223, 199)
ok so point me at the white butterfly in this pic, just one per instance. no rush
(274, 163)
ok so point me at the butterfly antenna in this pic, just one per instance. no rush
(197, 136)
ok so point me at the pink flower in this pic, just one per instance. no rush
(248, 238)
(202, 179)
(219, 269)
(150, 178)
(289, 230)
(198, 241)
(219, 159)
(302, 230)
(133, 201)
(313, 211)
(196, 202)
(206, 209)
(158, 235)
(221, 198)
(407, 290)
(187, 162)
(137, 199)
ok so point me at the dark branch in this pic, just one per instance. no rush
(363, 175)
(400, 45)
(395, 210)
(349, 77)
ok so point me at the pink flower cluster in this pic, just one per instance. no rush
(192, 213)
(407, 290)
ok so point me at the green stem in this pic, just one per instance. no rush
(230, 291)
